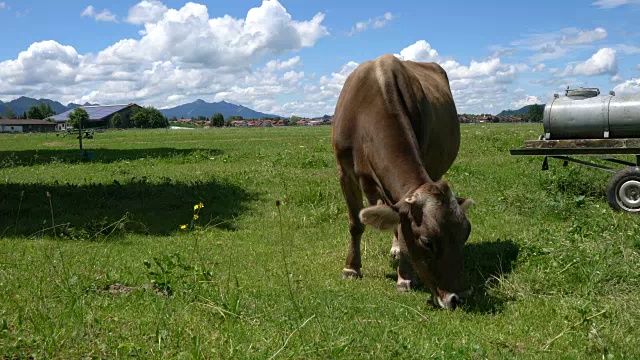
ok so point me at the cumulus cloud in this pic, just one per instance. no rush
(420, 51)
(147, 11)
(375, 23)
(610, 4)
(527, 100)
(602, 62)
(104, 15)
(189, 35)
(3, 5)
(628, 87)
(182, 54)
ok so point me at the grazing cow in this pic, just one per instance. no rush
(395, 133)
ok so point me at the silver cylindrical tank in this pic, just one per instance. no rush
(584, 115)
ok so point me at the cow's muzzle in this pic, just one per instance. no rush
(449, 301)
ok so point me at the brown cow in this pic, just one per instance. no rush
(395, 133)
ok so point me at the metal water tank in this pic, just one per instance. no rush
(582, 114)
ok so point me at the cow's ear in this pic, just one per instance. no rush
(465, 203)
(381, 217)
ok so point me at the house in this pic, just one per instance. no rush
(29, 125)
(238, 123)
(99, 115)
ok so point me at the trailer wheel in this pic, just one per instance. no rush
(623, 190)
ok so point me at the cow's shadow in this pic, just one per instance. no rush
(141, 207)
(484, 264)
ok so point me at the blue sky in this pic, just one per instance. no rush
(292, 57)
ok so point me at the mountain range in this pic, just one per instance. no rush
(197, 108)
(20, 105)
(194, 109)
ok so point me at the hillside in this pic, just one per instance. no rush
(203, 108)
(521, 111)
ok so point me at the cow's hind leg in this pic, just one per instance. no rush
(353, 197)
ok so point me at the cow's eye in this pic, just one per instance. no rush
(427, 243)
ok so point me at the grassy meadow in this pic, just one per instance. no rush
(94, 264)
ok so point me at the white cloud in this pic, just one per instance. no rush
(628, 49)
(376, 23)
(45, 62)
(420, 51)
(628, 87)
(609, 4)
(602, 62)
(539, 67)
(3, 5)
(147, 11)
(182, 51)
(584, 37)
(104, 15)
(556, 45)
(527, 100)
(189, 36)
(616, 78)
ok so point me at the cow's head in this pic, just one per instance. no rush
(432, 229)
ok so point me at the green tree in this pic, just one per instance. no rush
(35, 112)
(78, 116)
(292, 120)
(149, 117)
(45, 109)
(9, 114)
(236, 117)
(535, 113)
(173, 118)
(217, 120)
(116, 120)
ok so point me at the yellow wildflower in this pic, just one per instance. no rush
(183, 227)
(195, 216)
(198, 206)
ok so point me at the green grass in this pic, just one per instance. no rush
(555, 271)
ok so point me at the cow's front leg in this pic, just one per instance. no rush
(395, 249)
(405, 273)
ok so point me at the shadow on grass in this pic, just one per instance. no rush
(156, 209)
(9, 159)
(482, 263)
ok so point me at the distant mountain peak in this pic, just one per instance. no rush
(206, 109)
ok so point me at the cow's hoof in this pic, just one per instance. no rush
(403, 285)
(350, 274)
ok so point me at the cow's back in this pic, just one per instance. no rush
(404, 106)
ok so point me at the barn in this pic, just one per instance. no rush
(99, 115)
(29, 125)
